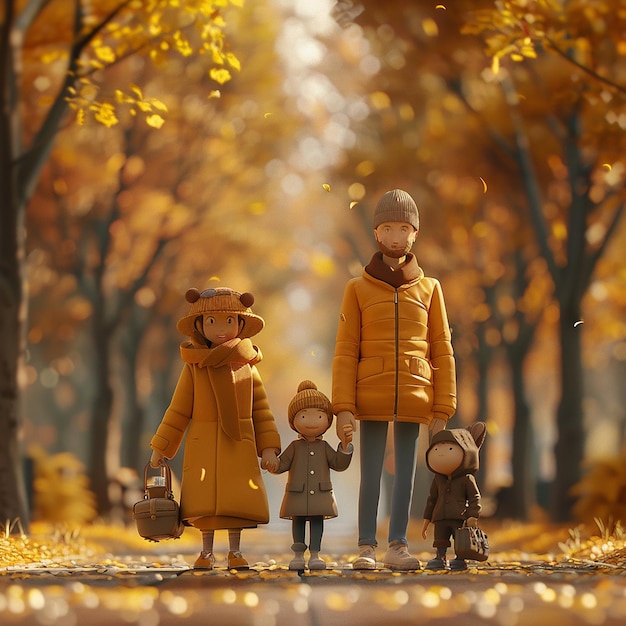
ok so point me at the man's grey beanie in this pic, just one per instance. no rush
(397, 206)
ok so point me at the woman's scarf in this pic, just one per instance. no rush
(228, 369)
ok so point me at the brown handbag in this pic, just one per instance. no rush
(471, 543)
(158, 515)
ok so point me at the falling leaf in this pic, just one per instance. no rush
(313, 353)
(578, 323)
(440, 6)
(252, 484)
(326, 186)
(215, 93)
(267, 115)
(215, 278)
(608, 166)
(202, 474)
(484, 184)
(353, 204)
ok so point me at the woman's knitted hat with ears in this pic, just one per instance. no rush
(220, 300)
(308, 397)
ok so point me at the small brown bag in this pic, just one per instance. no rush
(158, 515)
(471, 543)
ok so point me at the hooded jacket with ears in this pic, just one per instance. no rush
(456, 496)
(393, 355)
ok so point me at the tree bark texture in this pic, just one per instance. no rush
(12, 492)
(524, 475)
(569, 448)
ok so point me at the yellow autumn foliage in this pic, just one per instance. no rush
(157, 30)
(519, 30)
(61, 491)
(601, 493)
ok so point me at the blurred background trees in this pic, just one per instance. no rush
(505, 122)
(524, 153)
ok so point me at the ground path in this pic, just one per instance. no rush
(157, 587)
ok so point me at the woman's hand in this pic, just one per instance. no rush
(156, 458)
(269, 459)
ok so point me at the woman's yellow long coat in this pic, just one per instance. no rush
(221, 483)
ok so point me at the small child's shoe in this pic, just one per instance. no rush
(236, 561)
(206, 560)
(437, 563)
(458, 565)
(297, 563)
(315, 563)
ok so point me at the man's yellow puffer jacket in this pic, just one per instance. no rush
(393, 355)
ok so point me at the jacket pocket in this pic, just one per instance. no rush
(371, 366)
(421, 369)
(326, 486)
(295, 487)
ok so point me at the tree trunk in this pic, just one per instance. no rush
(484, 358)
(100, 416)
(523, 488)
(134, 414)
(12, 490)
(569, 448)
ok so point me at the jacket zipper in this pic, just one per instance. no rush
(397, 355)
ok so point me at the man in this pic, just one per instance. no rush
(393, 364)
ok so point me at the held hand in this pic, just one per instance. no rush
(425, 526)
(269, 459)
(155, 459)
(346, 438)
(472, 522)
(345, 418)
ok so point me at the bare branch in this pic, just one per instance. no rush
(584, 68)
(29, 14)
(533, 192)
(592, 259)
(33, 159)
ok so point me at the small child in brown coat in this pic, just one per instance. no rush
(454, 498)
(309, 492)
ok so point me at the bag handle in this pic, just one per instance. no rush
(166, 472)
(466, 526)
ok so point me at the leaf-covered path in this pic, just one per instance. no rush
(158, 587)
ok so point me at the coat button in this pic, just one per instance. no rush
(312, 492)
(312, 453)
(312, 472)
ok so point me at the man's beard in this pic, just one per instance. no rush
(395, 253)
